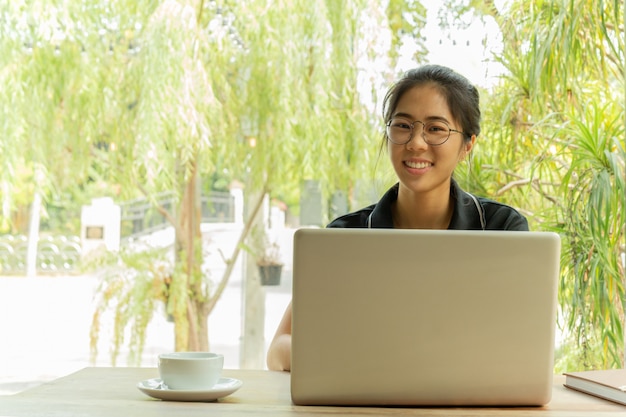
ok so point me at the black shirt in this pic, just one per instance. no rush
(467, 214)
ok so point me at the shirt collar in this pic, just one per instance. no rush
(464, 217)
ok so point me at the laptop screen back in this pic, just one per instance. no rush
(415, 317)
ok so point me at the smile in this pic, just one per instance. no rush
(418, 165)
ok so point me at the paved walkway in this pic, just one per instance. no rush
(45, 321)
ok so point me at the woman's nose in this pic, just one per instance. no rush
(417, 140)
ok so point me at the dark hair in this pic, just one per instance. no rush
(461, 96)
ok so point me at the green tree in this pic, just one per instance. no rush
(235, 86)
(154, 96)
(43, 145)
(555, 148)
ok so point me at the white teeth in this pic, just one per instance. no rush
(418, 165)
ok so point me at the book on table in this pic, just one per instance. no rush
(609, 384)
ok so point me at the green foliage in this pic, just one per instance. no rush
(553, 145)
(152, 95)
(134, 93)
(134, 284)
(263, 247)
(593, 275)
(581, 350)
(127, 98)
(407, 18)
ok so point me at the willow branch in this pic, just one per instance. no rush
(230, 263)
(512, 184)
(162, 210)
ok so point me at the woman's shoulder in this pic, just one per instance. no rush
(501, 216)
(355, 219)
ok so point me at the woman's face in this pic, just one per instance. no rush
(420, 167)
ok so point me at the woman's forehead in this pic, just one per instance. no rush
(423, 101)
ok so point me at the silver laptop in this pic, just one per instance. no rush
(423, 318)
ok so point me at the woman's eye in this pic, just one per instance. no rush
(436, 128)
(401, 125)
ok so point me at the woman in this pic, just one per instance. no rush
(432, 119)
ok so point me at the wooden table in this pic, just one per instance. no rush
(113, 392)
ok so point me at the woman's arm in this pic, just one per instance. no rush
(279, 352)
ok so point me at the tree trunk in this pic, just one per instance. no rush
(190, 326)
(253, 298)
(33, 236)
(199, 340)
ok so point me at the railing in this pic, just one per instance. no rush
(140, 216)
(55, 254)
(61, 254)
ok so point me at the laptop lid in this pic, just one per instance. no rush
(417, 317)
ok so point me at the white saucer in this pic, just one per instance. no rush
(155, 388)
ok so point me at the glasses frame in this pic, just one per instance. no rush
(412, 124)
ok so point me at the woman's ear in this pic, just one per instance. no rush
(467, 147)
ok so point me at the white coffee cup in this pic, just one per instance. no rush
(190, 370)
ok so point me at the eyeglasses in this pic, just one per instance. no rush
(400, 131)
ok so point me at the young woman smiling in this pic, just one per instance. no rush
(432, 119)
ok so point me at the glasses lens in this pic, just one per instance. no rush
(436, 133)
(399, 131)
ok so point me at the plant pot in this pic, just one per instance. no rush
(270, 274)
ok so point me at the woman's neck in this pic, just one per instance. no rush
(422, 211)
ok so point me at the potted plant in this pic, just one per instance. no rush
(269, 261)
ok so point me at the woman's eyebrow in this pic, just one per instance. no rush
(427, 119)
(437, 118)
(403, 115)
